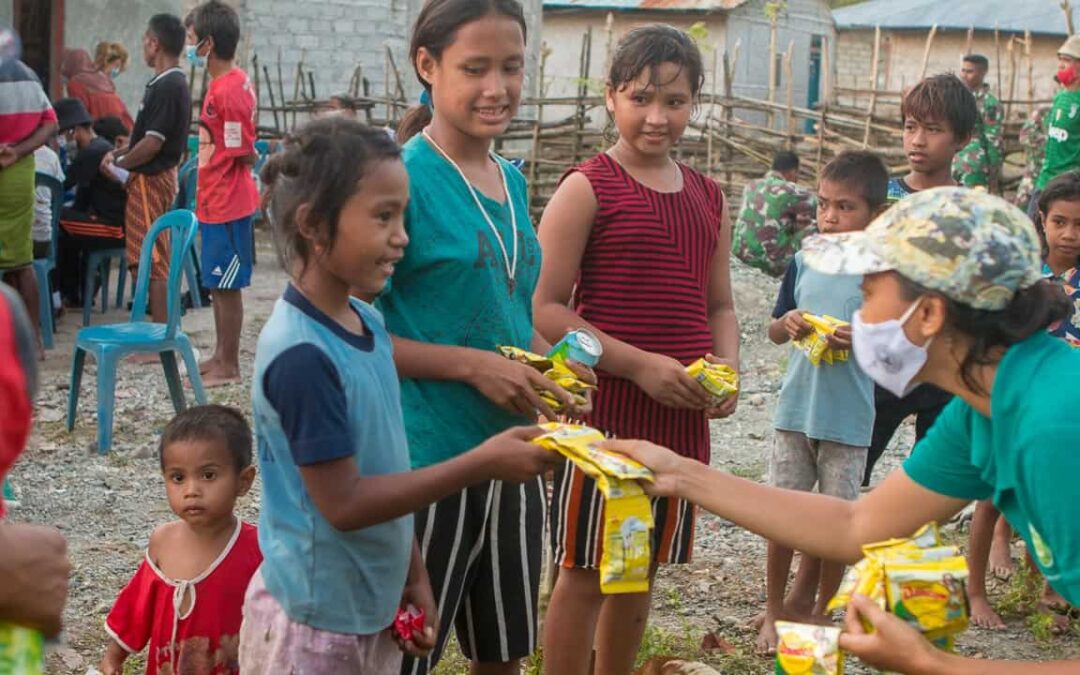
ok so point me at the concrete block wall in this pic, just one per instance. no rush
(332, 37)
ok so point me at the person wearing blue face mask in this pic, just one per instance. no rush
(227, 196)
(952, 296)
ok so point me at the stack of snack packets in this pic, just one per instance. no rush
(917, 579)
(628, 521)
(555, 371)
(718, 379)
(808, 649)
(816, 343)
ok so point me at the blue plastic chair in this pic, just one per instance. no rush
(185, 199)
(99, 263)
(111, 343)
(43, 266)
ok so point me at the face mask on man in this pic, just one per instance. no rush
(885, 353)
(114, 73)
(1066, 76)
(191, 52)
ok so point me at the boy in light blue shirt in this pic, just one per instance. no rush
(826, 412)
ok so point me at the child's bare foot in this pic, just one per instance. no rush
(207, 365)
(767, 638)
(1058, 609)
(219, 376)
(795, 609)
(983, 615)
(757, 620)
(1001, 563)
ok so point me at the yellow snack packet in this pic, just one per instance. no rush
(627, 554)
(719, 379)
(931, 595)
(866, 577)
(624, 565)
(558, 373)
(579, 442)
(816, 344)
(805, 649)
(540, 363)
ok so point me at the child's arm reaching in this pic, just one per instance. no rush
(351, 501)
(564, 233)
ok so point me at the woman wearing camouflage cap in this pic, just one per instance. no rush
(952, 296)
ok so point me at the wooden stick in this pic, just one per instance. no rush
(1065, 7)
(970, 40)
(708, 118)
(873, 85)
(773, 19)
(1012, 75)
(534, 154)
(273, 103)
(997, 56)
(926, 51)
(1030, 73)
(790, 81)
(824, 108)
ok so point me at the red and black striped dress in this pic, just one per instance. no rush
(644, 280)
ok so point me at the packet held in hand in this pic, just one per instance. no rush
(719, 379)
(624, 564)
(555, 371)
(806, 649)
(628, 521)
(930, 595)
(816, 343)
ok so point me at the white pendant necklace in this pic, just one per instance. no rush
(509, 262)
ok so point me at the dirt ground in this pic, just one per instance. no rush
(107, 505)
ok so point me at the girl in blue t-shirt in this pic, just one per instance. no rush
(465, 287)
(340, 557)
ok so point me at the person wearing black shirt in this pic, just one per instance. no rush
(157, 144)
(96, 220)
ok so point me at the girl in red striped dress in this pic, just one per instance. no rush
(638, 245)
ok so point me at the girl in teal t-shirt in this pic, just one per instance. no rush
(463, 288)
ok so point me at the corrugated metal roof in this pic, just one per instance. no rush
(646, 5)
(1038, 16)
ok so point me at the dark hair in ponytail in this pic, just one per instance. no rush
(322, 167)
(436, 29)
(1031, 310)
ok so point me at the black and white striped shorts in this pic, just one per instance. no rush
(483, 548)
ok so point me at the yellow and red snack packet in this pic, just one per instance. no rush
(628, 521)
(719, 379)
(816, 343)
(917, 579)
(555, 371)
(808, 649)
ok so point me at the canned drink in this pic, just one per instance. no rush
(21, 650)
(578, 345)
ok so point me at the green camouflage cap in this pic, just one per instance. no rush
(970, 246)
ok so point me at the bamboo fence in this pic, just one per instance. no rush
(731, 138)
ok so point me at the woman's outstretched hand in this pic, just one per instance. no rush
(664, 463)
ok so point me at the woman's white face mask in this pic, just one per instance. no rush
(886, 354)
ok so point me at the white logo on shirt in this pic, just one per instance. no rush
(233, 135)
